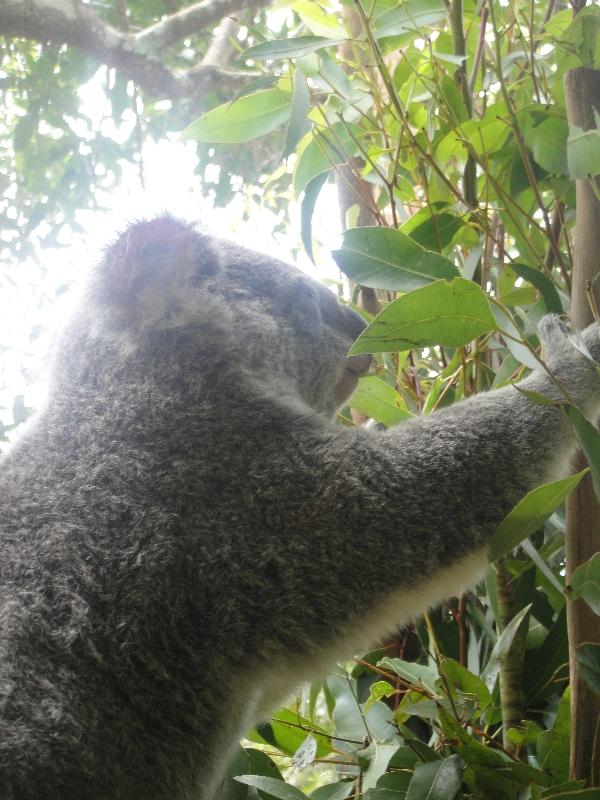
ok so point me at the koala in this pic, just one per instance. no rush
(187, 535)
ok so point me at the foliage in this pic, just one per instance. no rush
(445, 122)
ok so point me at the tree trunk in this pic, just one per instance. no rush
(582, 92)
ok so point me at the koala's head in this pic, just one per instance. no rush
(165, 285)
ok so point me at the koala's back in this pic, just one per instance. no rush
(136, 535)
(185, 533)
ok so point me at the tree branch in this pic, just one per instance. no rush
(192, 19)
(136, 56)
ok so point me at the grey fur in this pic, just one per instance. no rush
(186, 533)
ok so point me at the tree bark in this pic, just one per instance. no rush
(582, 92)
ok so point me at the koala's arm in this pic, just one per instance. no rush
(408, 514)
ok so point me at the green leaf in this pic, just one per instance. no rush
(583, 152)
(518, 348)
(409, 16)
(542, 664)
(559, 788)
(440, 780)
(349, 720)
(320, 151)
(246, 761)
(527, 733)
(589, 439)
(379, 756)
(582, 35)
(333, 791)
(588, 660)
(380, 401)
(385, 258)
(452, 95)
(458, 676)
(544, 284)
(307, 209)
(378, 691)
(318, 21)
(576, 794)
(585, 582)
(245, 119)
(300, 105)
(283, 732)
(545, 132)
(278, 789)
(502, 647)
(412, 672)
(530, 513)
(392, 786)
(557, 760)
(450, 313)
(431, 229)
(289, 48)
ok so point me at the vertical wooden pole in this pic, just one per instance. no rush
(582, 94)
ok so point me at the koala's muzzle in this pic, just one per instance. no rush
(354, 368)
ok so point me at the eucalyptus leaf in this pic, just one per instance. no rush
(530, 513)
(439, 780)
(502, 647)
(412, 672)
(585, 583)
(297, 121)
(307, 209)
(379, 401)
(323, 149)
(409, 16)
(589, 441)
(248, 118)
(385, 258)
(272, 786)
(289, 48)
(450, 313)
(583, 152)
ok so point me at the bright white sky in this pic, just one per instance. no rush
(30, 298)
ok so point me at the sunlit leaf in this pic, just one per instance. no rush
(307, 209)
(321, 150)
(450, 313)
(245, 119)
(583, 152)
(385, 258)
(289, 48)
(409, 16)
(297, 121)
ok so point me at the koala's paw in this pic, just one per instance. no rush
(570, 353)
(590, 338)
(554, 334)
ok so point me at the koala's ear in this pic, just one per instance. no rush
(148, 253)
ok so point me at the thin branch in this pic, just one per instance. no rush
(172, 29)
(136, 56)
(479, 49)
